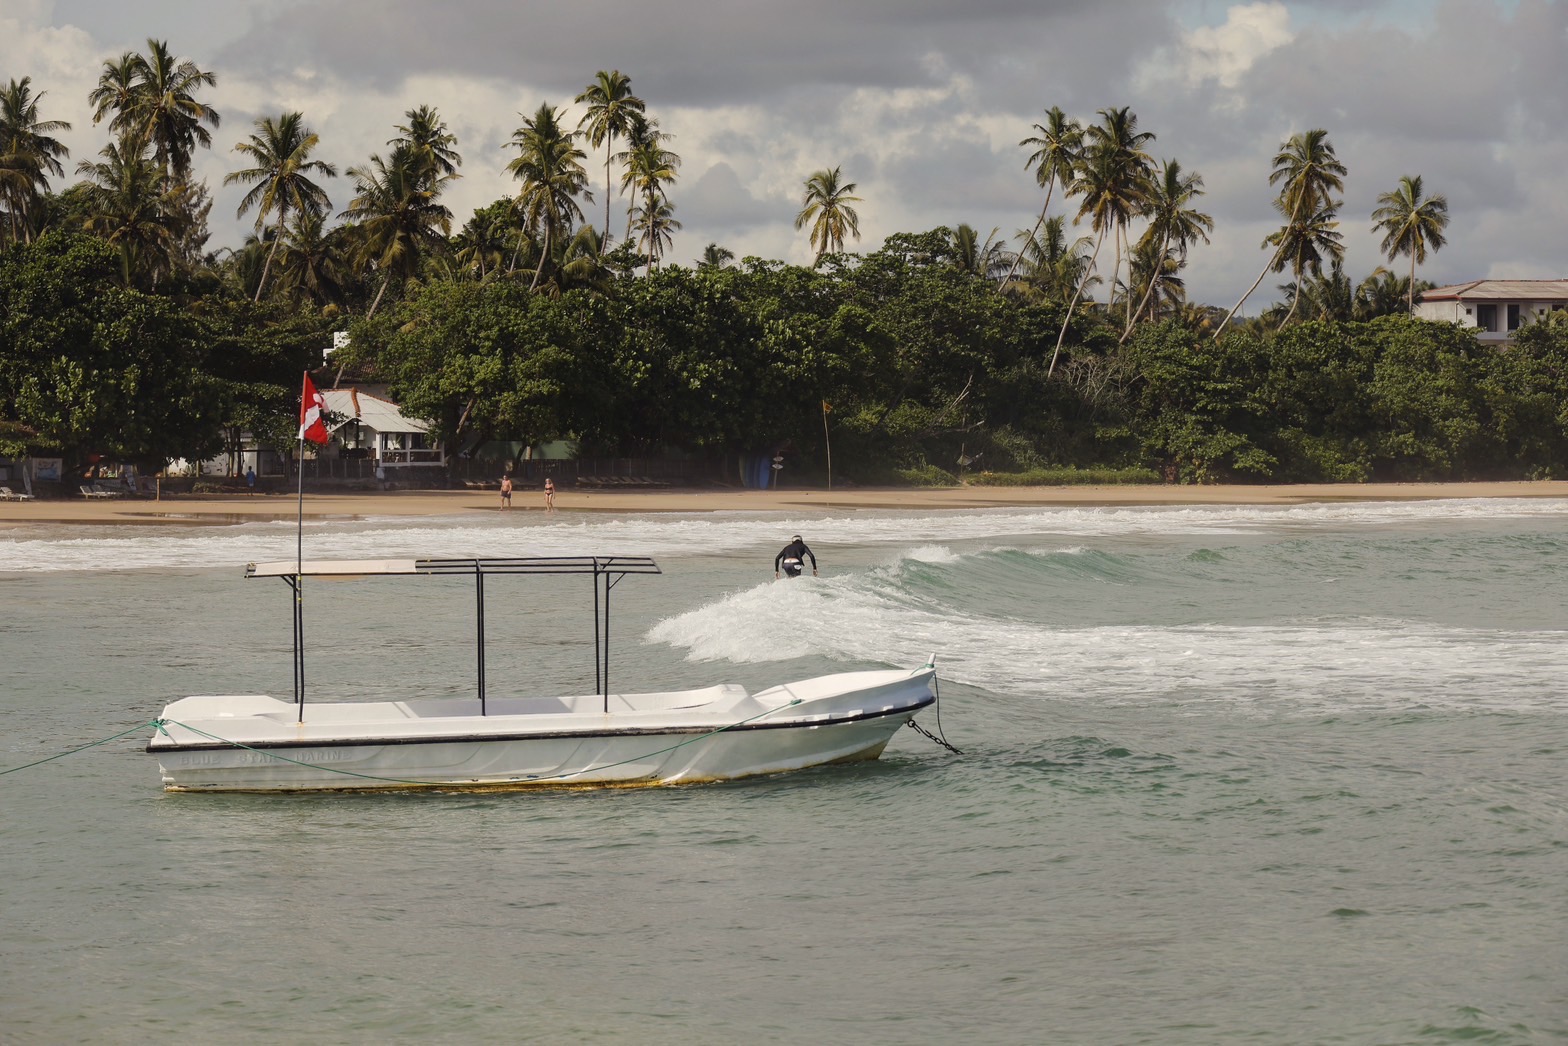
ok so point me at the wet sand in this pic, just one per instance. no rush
(229, 509)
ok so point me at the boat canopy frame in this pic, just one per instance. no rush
(606, 571)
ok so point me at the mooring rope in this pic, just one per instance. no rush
(939, 737)
(157, 723)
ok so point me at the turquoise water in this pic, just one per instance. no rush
(1228, 774)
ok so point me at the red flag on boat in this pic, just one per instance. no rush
(312, 414)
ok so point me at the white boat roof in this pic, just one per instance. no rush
(512, 565)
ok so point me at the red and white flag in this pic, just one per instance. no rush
(312, 414)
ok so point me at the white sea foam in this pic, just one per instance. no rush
(204, 547)
(1308, 668)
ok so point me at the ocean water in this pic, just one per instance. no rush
(1228, 774)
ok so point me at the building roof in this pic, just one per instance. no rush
(1500, 290)
(374, 412)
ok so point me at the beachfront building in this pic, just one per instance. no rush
(369, 426)
(1494, 308)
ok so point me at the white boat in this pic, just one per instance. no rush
(257, 743)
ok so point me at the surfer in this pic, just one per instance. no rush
(792, 557)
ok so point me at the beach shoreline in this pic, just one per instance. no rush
(229, 509)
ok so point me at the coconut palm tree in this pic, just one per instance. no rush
(1308, 173)
(1173, 224)
(28, 155)
(312, 261)
(486, 238)
(282, 177)
(1326, 296)
(826, 208)
(132, 205)
(1384, 293)
(1303, 244)
(1055, 267)
(549, 164)
(613, 112)
(1055, 155)
(430, 142)
(650, 167)
(1117, 136)
(1112, 179)
(1410, 222)
(1157, 267)
(115, 91)
(163, 111)
(987, 260)
(655, 224)
(397, 217)
(715, 257)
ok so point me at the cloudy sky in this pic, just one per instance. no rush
(921, 102)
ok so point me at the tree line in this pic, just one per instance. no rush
(122, 336)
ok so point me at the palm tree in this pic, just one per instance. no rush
(311, 262)
(398, 220)
(1410, 222)
(115, 91)
(656, 222)
(1157, 267)
(1327, 297)
(1056, 267)
(1383, 293)
(1173, 223)
(650, 167)
(1056, 155)
(430, 142)
(133, 206)
(28, 154)
(825, 206)
(163, 109)
(549, 164)
(482, 244)
(715, 257)
(1113, 180)
(1117, 135)
(1310, 173)
(1304, 243)
(613, 112)
(282, 177)
(986, 259)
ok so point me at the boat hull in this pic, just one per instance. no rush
(258, 744)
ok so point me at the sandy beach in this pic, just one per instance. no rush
(230, 509)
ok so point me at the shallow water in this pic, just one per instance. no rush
(1278, 775)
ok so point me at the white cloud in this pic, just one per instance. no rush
(1225, 53)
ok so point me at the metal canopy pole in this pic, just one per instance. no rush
(479, 595)
(598, 677)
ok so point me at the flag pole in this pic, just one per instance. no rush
(299, 563)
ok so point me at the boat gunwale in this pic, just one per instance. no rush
(670, 731)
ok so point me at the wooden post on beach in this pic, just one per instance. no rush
(827, 443)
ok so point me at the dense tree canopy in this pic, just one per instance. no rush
(527, 321)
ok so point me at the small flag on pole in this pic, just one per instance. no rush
(312, 414)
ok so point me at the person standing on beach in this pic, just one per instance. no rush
(250, 478)
(793, 558)
(549, 494)
(506, 492)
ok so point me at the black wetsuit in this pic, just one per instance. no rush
(793, 556)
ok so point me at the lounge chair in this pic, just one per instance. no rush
(7, 494)
(90, 490)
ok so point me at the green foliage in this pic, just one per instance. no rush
(87, 367)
